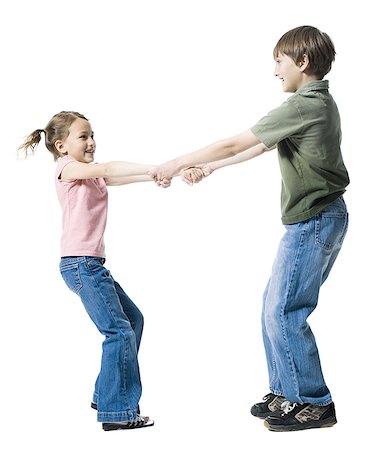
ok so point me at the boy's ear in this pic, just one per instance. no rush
(304, 63)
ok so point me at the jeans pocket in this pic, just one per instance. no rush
(330, 229)
(96, 267)
(71, 276)
(94, 263)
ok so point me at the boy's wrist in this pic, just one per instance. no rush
(214, 165)
(174, 167)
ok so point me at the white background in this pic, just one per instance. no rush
(158, 79)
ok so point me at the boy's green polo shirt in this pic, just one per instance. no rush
(306, 130)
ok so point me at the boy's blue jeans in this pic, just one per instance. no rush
(305, 257)
(118, 386)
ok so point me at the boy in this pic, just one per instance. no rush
(306, 131)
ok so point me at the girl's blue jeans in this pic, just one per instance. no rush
(305, 257)
(118, 386)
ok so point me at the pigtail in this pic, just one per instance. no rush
(31, 142)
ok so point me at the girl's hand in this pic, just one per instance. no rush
(164, 183)
(163, 172)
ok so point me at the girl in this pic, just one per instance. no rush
(82, 193)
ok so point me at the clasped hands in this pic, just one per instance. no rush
(162, 175)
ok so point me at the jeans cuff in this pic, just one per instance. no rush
(120, 416)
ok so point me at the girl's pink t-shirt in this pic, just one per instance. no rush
(84, 206)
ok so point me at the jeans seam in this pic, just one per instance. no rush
(78, 284)
(282, 315)
(117, 325)
(345, 228)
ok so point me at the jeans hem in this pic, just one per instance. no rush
(301, 400)
(120, 416)
(322, 402)
(276, 392)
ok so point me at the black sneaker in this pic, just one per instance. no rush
(271, 404)
(295, 417)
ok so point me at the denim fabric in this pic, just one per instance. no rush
(305, 257)
(118, 386)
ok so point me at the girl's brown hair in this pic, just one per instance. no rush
(307, 40)
(57, 129)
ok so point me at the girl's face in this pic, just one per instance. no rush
(288, 72)
(80, 143)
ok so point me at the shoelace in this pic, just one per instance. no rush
(287, 406)
(139, 419)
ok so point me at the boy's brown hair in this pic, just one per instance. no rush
(307, 40)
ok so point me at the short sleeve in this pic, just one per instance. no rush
(279, 124)
(62, 163)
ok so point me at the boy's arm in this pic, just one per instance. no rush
(257, 150)
(219, 150)
(192, 175)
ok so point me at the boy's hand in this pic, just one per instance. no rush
(192, 175)
(196, 174)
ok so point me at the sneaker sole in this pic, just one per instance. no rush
(115, 426)
(302, 426)
(262, 415)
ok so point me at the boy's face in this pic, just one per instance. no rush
(289, 73)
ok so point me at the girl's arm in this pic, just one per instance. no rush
(196, 174)
(110, 170)
(219, 150)
(118, 181)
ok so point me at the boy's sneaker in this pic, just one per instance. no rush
(295, 417)
(271, 404)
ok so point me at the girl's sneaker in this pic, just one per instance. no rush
(139, 422)
(294, 416)
(271, 404)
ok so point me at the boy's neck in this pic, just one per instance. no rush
(307, 79)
